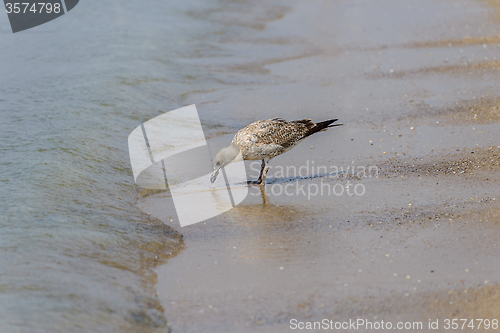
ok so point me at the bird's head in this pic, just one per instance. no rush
(223, 158)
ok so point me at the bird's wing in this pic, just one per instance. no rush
(273, 132)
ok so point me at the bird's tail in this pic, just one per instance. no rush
(321, 126)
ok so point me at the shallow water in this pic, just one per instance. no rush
(77, 255)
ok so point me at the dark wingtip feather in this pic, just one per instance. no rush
(322, 126)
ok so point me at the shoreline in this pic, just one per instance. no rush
(421, 243)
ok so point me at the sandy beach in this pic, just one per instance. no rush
(416, 239)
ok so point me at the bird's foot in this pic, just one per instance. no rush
(256, 182)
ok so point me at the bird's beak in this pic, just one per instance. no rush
(214, 175)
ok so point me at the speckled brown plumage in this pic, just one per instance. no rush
(266, 139)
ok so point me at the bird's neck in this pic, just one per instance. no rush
(233, 153)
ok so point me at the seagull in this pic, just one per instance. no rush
(265, 139)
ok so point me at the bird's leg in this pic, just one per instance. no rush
(261, 172)
(266, 169)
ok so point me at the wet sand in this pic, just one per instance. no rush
(416, 85)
